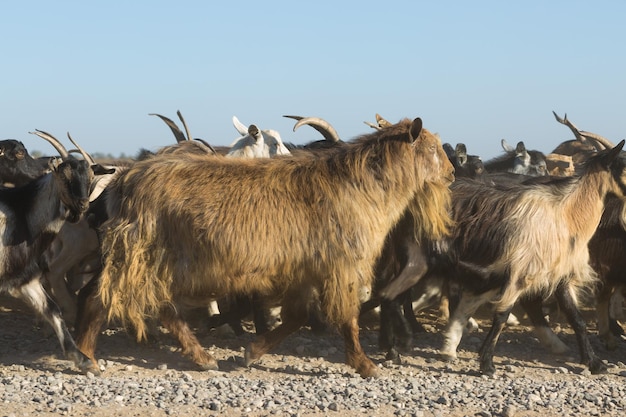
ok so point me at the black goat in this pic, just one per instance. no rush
(31, 216)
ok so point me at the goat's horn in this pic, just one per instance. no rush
(205, 143)
(373, 125)
(582, 135)
(53, 141)
(321, 125)
(601, 139)
(180, 137)
(85, 155)
(566, 122)
(180, 116)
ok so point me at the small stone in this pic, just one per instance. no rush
(509, 411)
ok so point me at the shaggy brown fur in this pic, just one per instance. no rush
(530, 239)
(199, 227)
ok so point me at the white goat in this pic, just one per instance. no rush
(256, 143)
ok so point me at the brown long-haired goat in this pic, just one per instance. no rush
(199, 227)
(529, 239)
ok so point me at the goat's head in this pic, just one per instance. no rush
(532, 163)
(428, 147)
(16, 165)
(256, 143)
(585, 144)
(72, 176)
(467, 166)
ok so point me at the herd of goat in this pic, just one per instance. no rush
(325, 231)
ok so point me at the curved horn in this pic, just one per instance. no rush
(180, 116)
(180, 137)
(372, 125)
(582, 135)
(321, 125)
(205, 143)
(601, 139)
(569, 124)
(53, 141)
(85, 155)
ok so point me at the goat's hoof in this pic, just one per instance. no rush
(596, 366)
(89, 367)
(211, 366)
(447, 357)
(393, 356)
(368, 370)
(249, 358)
(487, 368)
(83, 363)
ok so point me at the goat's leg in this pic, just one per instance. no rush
(409, 314)
(567, 302)
(90, 320)
(533, 306)
(260, 314)
(293, 316)
(394, 332)
(605, 333)
(61, 293)
(179, 328)
(489, 345)
(430, 291)
(462, 309)
(355, 356)
(35, 296)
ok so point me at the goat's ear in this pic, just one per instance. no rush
(449, 150)
(382, 122)
(609, 155)
(506, 146)
(100, 170)
(53, 163)
(520, 148)
(416, 129)
(461, 153)
(616, 150)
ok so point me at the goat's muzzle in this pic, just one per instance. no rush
(74, 214)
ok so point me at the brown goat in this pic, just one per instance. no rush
(193, 228)
(527, 240)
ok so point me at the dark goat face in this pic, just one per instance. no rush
(73, 178)
(531, 163)
(16, 165)
(466, 166)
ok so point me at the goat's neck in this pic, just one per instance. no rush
(583, 207)
(46, 211)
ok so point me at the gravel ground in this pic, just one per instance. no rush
(306, 376)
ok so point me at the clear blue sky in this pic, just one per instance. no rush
(475, 71)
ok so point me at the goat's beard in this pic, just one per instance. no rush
(72, 216)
